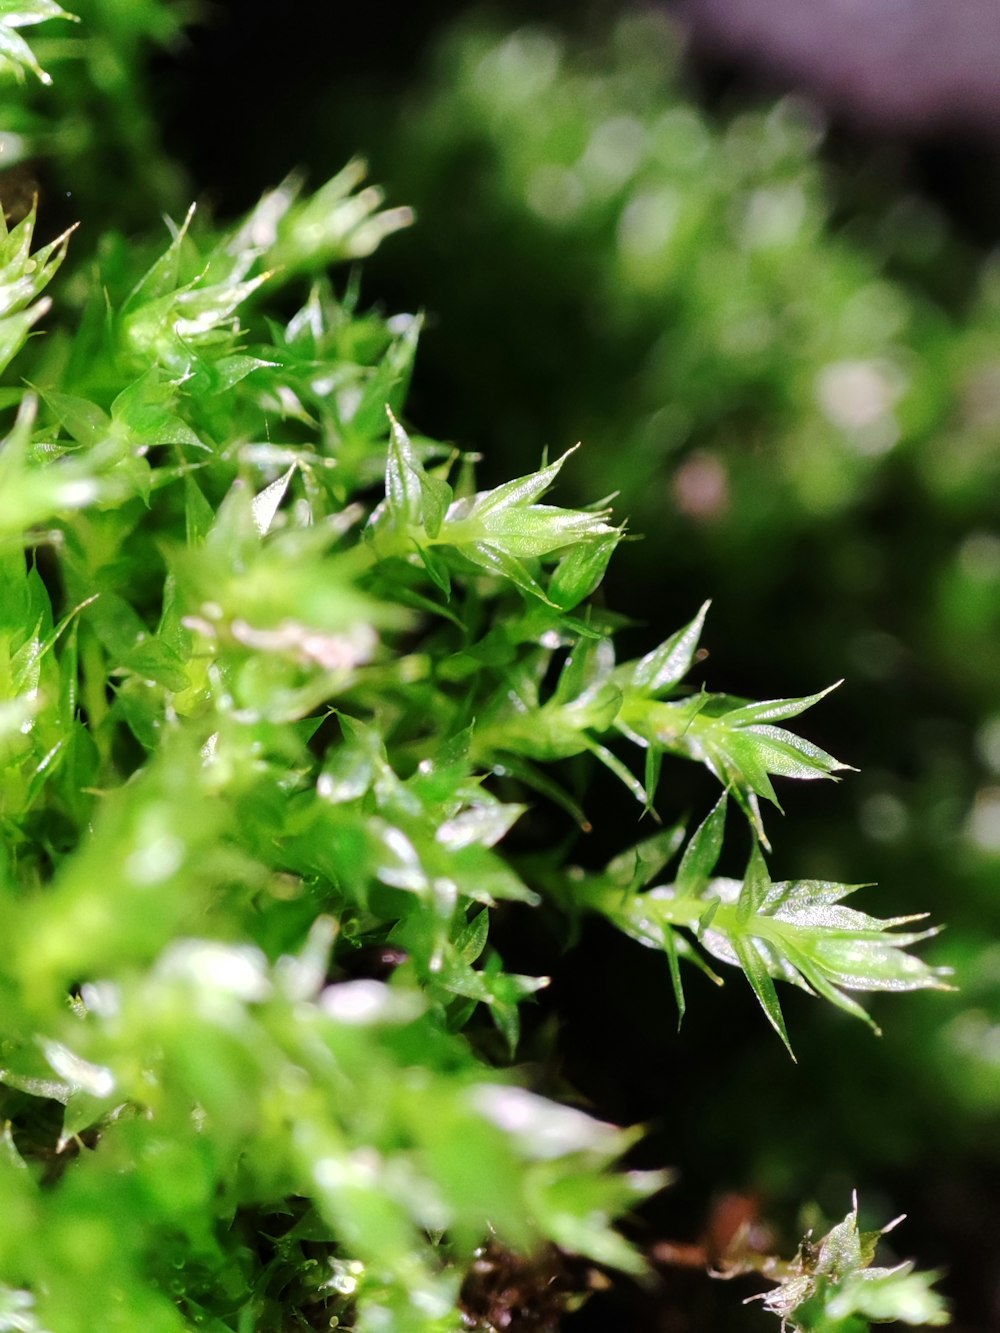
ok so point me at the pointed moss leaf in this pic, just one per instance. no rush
(25, 665)
(537, 779)
(387, 387)
(538, 530)
(786, 755)
(844, 1248)
(188, 323)
(508, 519)
(521, 492)
(690, 954)
(756, 883)
(662, 668)
(131, 647)
(83, 420)
(484, 878)
(506, 566)
(639, 865)
(471, 939)
(14, 330)
(480, 825)
(588, 666)
(702, 852)
(23, 274)
(821, 985)
(580, 571)
(147, 409)
(624, 774)
(596, 708)
(437, 569)
(436, 499)
(755, 970)
(635, 915)
(259, 229)
(47, 259)
(706, 918)
(670, 945)
(775, 710)
(816, 902)
(198, 513)
(865, 964)
(508, 990)
(227, 371)
(199, 311)
(415, 499)
(651, 779)
(163, 275)
(742, 760)
(265, 504)
(347, 774)
(750, 805)
(56, 633)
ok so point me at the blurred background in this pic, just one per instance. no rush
(745, 250)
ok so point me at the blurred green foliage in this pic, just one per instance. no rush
(85, 115)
